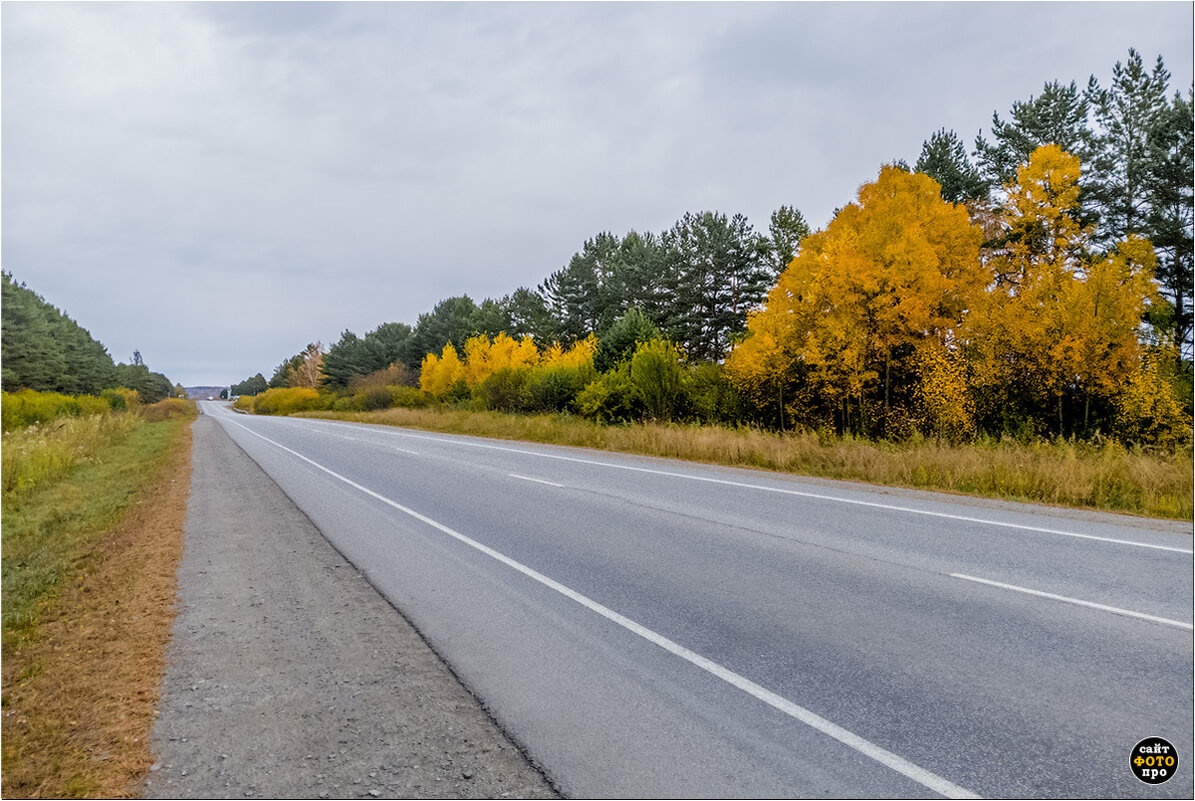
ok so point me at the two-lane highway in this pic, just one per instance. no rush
(650, 628)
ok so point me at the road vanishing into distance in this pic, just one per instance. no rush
(651, 628)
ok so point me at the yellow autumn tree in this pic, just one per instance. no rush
(840, 330)
(441, 374)
(944, 406)
(484, 357)
(580, 354)
(1058, 330)
(1147, 410)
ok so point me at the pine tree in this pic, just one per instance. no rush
(944, 158)
(1127, 112)
(1057, 116)
(1169, 220)
(786, 228)
(577, 295)
(717, 276)
(44, 350)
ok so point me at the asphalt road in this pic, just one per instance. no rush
(651, 628)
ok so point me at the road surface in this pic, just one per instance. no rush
(652, 628)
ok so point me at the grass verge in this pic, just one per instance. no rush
(1105, 477)
(43, 454)
(88, 597)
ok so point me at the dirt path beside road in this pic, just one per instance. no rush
(290, 676)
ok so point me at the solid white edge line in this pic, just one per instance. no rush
(1104, 607)
(536, 480)
(780, 490)
(811, 719)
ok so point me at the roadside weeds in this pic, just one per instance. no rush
(1078, 475)
(80, 691)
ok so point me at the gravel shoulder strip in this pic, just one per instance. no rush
(289, 676)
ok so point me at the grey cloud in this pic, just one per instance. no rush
(219, 184)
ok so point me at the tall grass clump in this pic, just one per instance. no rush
(37, 454)
(168, 409)
(53, 517)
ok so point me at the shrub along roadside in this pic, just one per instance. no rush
(1105, 476)
(26, 407)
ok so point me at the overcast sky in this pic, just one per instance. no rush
(219, 184)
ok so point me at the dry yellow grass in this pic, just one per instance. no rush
(1081, 475)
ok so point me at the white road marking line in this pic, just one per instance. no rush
(800, 493)
(1114, 609)
(536, 480)
(881, 755)
(371, 442)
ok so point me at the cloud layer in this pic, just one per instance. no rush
(219, 184)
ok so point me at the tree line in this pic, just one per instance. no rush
(1040, 284)
(695, 282)
(45, 350)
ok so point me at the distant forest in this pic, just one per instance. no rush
(46, 351)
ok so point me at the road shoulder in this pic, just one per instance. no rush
(290, 676)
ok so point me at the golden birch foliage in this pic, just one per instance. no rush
(943, 395)
(1100, 314)
(484, 357)
(1054, 326)
(1041, 210)
(579, 354)
(441, 373)
(1147, 410)
(895, 268)
(478, 359)
(759, 366)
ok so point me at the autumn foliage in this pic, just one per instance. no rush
(510, 374)
(903, 315)
(838, 340)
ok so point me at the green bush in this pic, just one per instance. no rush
(709, 395)
(506, 389)
(620, 340)
(457, 392)
(346, 403)
(408, 397)
(373, 398)
(555, 389)
(658, 377)
(121, 399)
(611, 397)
